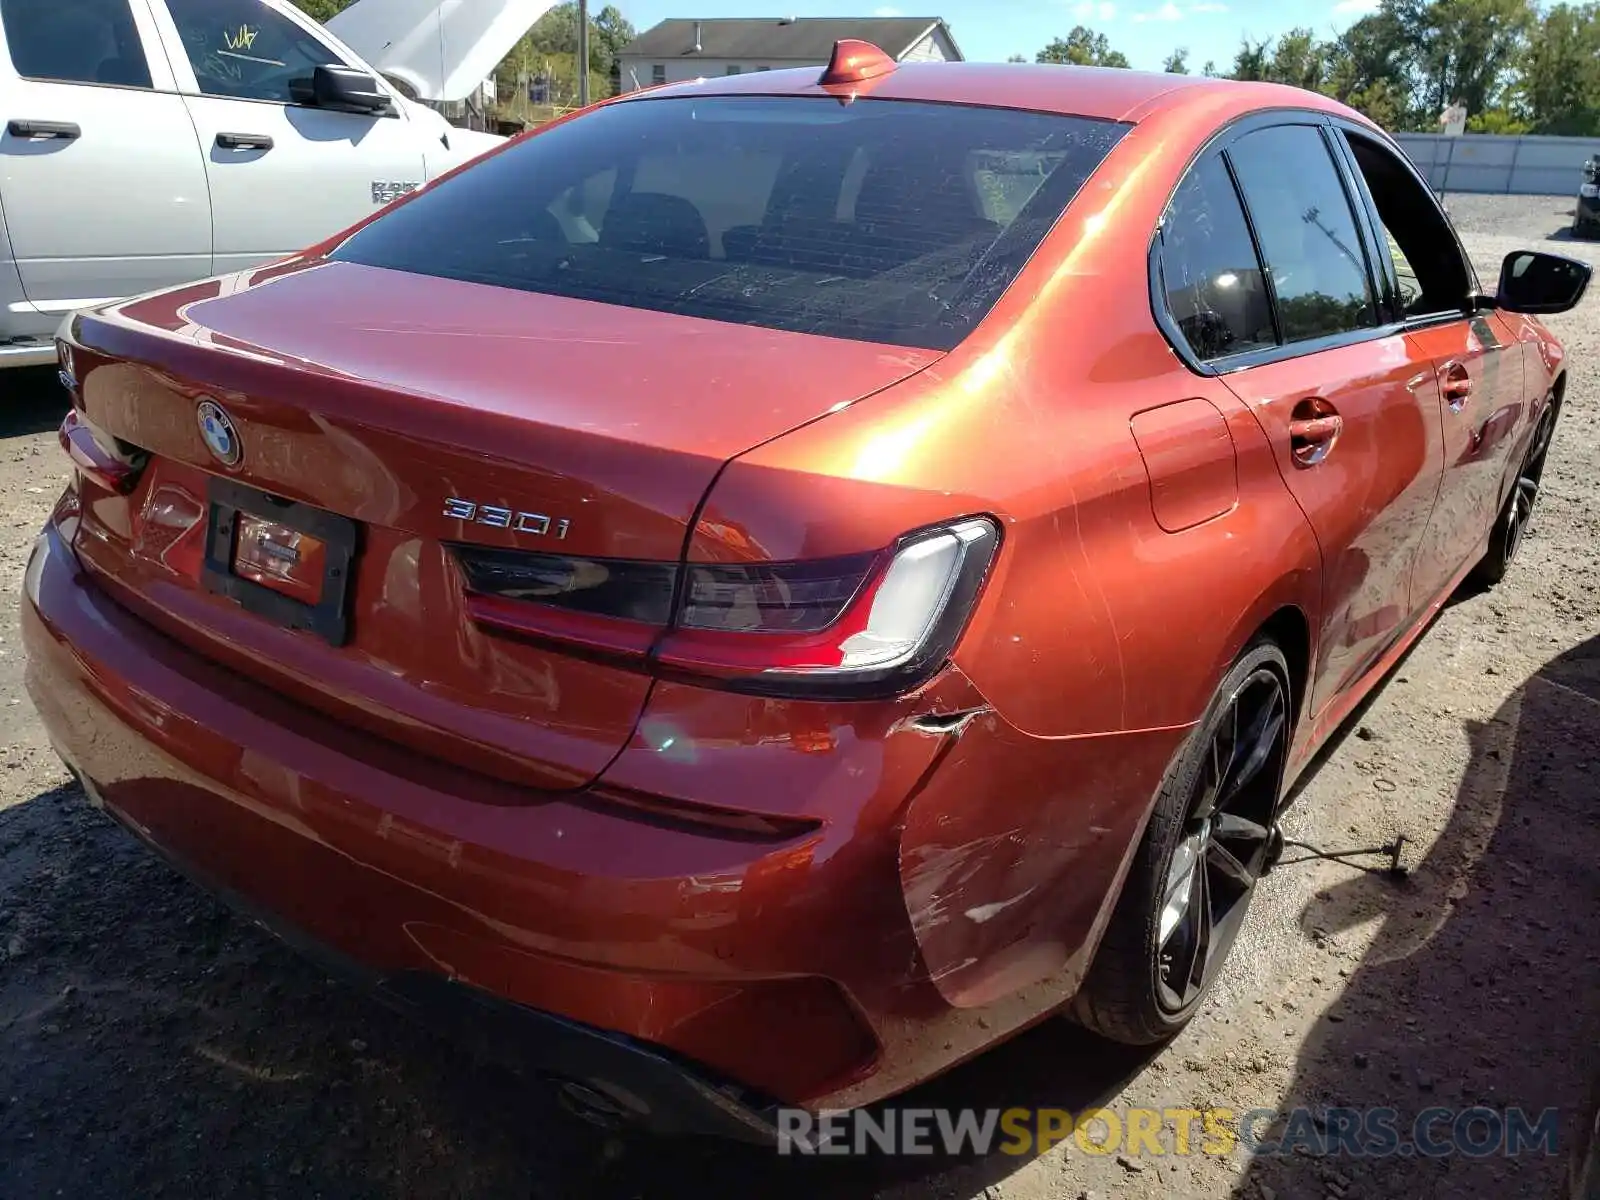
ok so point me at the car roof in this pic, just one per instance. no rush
(1107, 93)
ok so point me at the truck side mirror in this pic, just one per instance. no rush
(348, 90)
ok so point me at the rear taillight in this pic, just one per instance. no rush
(108, 461)
(792, 597)
(634, 591)
(867, 624)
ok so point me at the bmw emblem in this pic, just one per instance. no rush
(221, 438)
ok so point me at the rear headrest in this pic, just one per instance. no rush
(897, 192)
(655, 223)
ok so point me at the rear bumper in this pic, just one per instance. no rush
(952, 894)
(640, 1084)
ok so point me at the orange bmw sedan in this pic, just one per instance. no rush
(756, 591)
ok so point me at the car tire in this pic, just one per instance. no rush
(1143, 986)
(1511, 523)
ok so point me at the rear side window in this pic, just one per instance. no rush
(1209, 269)
(889, 221)
(1306, 230)
(75, 41)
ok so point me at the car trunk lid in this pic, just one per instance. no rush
(428, 412)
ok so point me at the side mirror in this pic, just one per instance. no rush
(1532, 282)
(347, 89)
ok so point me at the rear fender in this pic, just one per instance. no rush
(1013, 852)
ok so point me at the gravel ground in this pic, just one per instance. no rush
(152, 1044)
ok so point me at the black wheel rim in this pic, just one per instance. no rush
(1519, 505)
(1224, 846)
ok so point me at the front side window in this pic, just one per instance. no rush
(882, 220)
(243, 50)
(1432, 275)
(75, 41)
(1209, 270)
(1306, 230)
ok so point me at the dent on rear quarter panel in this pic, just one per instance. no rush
(1009, 854)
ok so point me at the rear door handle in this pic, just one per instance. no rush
(244, 141)
(60, 131)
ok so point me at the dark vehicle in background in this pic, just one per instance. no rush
(1586, 216)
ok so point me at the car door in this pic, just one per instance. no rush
(101, 178)
(1345, 397)
(283, 174)
(1476, 357)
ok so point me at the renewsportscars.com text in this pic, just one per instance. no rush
(1159, 1132)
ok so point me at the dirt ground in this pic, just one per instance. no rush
(151, 1044)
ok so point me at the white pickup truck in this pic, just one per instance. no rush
(146, 143)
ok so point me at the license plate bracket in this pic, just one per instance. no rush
(328, 618)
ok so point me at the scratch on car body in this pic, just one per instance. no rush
(984, 912)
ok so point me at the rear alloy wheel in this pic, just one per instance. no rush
(1512, 524)
(1210, 839)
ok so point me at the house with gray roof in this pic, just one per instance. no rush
(687, 48)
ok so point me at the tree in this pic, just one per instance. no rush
(321, 10)
(1498, 120)
(1513, 67)
(1082, 47)
(1210, 70)
(1017, 58)
(612, 31)
(1250, 63)
(550, 49)
(1298, 60)
(1559, 86)
(1177, 62)
(1461, 49)
(1366, 67)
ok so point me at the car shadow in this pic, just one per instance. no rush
(1482, 987)
(31, 401)
(1054, 1065)
(158, 1044)
(1565, 234)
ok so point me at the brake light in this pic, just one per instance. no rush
(875, 623)
(634, 591)
(792, 597)
(105, 460)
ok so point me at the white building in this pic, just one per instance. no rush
(683, 48)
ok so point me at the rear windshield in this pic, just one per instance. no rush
(879, 220)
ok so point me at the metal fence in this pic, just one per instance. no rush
(1484, 162)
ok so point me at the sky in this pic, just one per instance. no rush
(992, 30)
